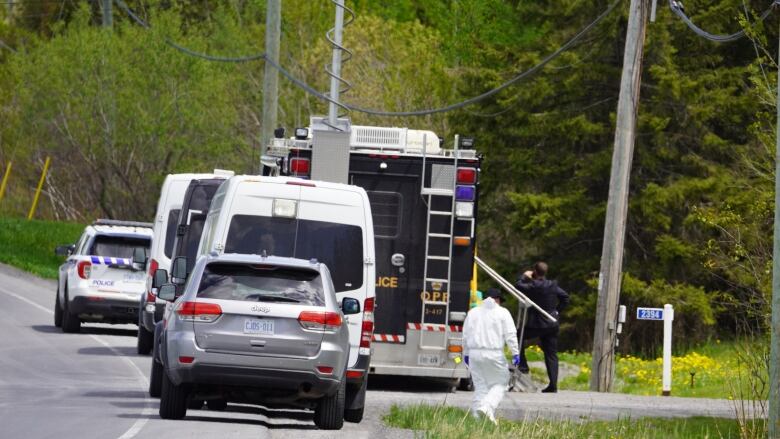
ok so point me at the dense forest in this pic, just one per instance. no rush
(117, 109)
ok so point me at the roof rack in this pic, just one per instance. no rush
(110, 222)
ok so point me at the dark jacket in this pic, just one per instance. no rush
(547, 295)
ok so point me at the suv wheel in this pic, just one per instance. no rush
(329, 413)
(155, 379)
(70, 321)
(173, 400)
(145, 341)
(57, 311)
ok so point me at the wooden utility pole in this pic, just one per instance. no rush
(774, 353)
(617, 205)
(273, 19)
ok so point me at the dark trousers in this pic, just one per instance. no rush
(549, 343)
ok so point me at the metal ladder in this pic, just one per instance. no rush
(430, 279)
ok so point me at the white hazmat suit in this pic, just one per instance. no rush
(486, 330)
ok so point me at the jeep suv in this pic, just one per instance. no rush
(255, 330)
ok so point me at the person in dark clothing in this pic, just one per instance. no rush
(552, 299)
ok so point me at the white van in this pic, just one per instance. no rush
(164, 234)
(329, 222)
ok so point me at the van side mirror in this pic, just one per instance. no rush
(160, 278)
(167, 292)
(179, 270)
(350, 306)
(65, 250)
(139, 259)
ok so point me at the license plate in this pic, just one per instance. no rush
(428, 360)
(259, 326)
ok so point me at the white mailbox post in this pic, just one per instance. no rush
(667, 315)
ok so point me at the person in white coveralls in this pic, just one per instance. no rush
(486, 330)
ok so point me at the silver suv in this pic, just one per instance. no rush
(256, 330)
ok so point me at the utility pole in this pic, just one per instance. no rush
(774, 353)
(335, 77)
(273, 19)
(108, 18)
(610, 274)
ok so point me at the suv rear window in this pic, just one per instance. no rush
(261, 283)
(339, 246)
(117, 246)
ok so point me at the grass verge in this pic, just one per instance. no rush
(452, 422)
(29, 245)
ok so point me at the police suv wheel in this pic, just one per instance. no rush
(57, 311)
(329, 413)
(70, 321)
(173, 400)
(145, 341)
(155, 379)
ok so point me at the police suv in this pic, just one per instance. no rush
(98, 281)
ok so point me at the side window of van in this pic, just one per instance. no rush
(170, 231)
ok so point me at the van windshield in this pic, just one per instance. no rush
(339, 246)
(262, 283)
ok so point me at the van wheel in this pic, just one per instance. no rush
(70, 321)
(57, 311)
(155, 379)
(145, 340)
(329, 413)
(173, 400)
(217, 405)
(466, 385)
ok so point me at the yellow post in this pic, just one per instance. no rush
(38, 191)
(5, 180)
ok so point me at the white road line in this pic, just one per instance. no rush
(142, 381)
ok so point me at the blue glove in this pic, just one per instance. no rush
(466, 359)
(515, 360)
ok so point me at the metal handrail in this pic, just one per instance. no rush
(524, 301)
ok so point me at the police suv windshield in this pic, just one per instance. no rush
(117, 246)
(338, 246)
(262, 283)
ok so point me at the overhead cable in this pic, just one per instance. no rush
(186, 50)
(487, 94)
(679, 10)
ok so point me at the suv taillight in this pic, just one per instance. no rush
(320, 320)
(368, 323)
(84, 268)
(198, 311)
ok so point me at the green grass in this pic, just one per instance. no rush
(29, 245)
(718, 372)
(452, 422)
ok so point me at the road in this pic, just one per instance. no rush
(93, 385)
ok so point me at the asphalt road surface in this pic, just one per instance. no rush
(94, 385)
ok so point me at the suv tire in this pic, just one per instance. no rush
(173, 400)
(145, 341)
(329, 413)
(57, 311)
(70, 321)
(155, 379)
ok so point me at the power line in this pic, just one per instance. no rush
(679, 10)
(186, 50)
(501, 87)
(311, 90)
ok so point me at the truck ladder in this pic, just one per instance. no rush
(437, 280)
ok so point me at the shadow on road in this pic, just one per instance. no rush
(408, 384)
(94, 330)
(117, 394)
(198, 415)
(129, 351)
